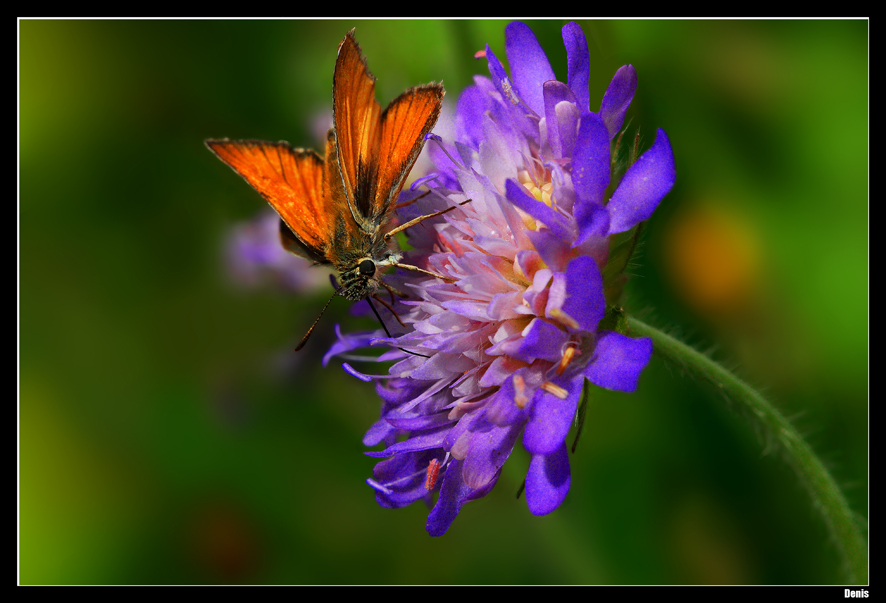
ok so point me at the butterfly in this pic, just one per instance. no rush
(336, 211)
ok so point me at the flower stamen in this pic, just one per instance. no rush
(568, 355)
(520, 398)
(563, 318)
(555, 390)
(433, 472)
(509, 92)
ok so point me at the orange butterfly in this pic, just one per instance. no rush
(335, 211)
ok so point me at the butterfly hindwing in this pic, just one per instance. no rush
(292, 181)
(292, 244)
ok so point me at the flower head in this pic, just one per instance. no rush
(254, 253)
(504, 350)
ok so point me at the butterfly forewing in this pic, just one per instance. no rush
(404, 124)
(292, 181)
(374, 152)
(357, 117)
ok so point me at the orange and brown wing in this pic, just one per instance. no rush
(374, 150)
(405, 123)
(292, 181)
(357, 117)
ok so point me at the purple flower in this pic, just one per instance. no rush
(504, 350)
(253, 253)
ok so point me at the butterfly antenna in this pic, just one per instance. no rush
(304, 339)
(419, 219)
(413, 200)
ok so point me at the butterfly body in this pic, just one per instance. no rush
(359, 261)
(337, 210)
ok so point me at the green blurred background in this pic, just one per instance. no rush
(168, 433)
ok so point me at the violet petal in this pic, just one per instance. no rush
(552, 417)
(417, 423)
(618, 361)
(401, 479)
(547, 481)
(472, 104)
(378, 432)
(579, 295)
(554, 93)
(643, 186)
(543, 340)
(504, 409)
(578, 63)
(452, 494)
(590, 169)
(487, 454)
(618, 98)
(529, 65)
(517, 194)
(555, 251)
(423, 441)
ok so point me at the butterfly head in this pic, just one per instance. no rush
(359, 278)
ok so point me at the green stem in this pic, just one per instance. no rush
(826, 496)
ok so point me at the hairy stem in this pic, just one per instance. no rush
(826, 496)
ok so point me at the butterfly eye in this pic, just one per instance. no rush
(366, 268)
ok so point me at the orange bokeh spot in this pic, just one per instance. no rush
(713, 259)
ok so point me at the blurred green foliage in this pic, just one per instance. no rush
(168, 433)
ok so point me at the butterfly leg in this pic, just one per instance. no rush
(388, 333)
(393, 291)
(391, 308)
